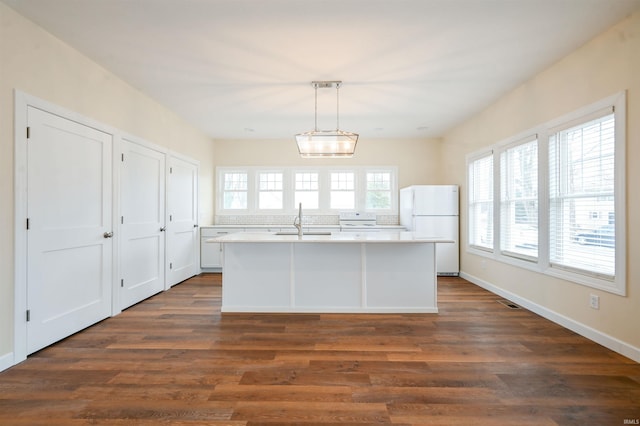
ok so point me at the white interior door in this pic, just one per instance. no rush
(182, 227)
(69, 244)
(142, 238)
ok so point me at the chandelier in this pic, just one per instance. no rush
(327, 143)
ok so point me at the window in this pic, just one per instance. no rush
(325, 190)
(306, 190)
(481, 202)
(562, 206)
(519, 200)
(343, 190)
(234, 190)
(581, 191)
(270, 190)
(378, 190)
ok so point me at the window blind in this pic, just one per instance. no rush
(519, 200)
(582, 197)
(481, 202)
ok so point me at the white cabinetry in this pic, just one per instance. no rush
(372, 272)
(210, 248)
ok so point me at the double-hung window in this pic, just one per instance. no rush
(582, 195)
(481, 202)
(270, 190)
(322, 190)
(519, 199)
(343, 190)
(561, 206)
(378, 192)
(306, 190)
(235, 188)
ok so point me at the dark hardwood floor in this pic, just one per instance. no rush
(174, 359)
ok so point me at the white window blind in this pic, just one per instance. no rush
(270, 190)
(343, 190)
(519, 200)
(234, 190)
(582, 197)
(481, 202)
(306, 190)
(378, 190)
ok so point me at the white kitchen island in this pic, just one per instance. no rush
(341, 272)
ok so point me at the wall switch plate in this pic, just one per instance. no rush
(594, 301)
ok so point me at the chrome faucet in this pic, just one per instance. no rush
(297, 221)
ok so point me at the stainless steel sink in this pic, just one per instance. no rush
(304, 233)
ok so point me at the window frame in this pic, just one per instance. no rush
(260, 191)
(353, 190)
(324, 189)
(617, 284)
(367, 190)
(222, 189)
(499, 155)
(472, 204)
(296, 190)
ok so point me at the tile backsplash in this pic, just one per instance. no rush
(288, 219)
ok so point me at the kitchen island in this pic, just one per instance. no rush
(337, 272)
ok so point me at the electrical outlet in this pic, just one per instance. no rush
(594, 301)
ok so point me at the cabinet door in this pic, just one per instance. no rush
(210, 248)
(210, 253)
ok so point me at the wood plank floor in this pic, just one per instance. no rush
(174, 359)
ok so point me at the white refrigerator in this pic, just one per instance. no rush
(432, 211)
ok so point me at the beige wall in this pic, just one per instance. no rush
(608, 64)
(40, 65)
(418, 160)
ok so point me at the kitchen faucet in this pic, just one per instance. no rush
(297, 221)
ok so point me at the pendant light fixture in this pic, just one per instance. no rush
(327, 143)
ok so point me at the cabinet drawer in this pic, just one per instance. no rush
(218, 232)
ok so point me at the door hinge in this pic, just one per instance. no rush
(122, 220)
(170, 170)
(122, 157)
(170, 265)
(28, 132)
(122, 282)
(27, 223)
(28, 315)
(170, 218)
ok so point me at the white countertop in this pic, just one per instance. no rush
(311, 227)
(334, 237)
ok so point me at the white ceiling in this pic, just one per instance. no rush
(243, 68)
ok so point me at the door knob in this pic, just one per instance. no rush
(108, 234)
(163, 229)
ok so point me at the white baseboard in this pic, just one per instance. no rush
(6, 361)
(599, 337)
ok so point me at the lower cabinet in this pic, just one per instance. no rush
(210, 248)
